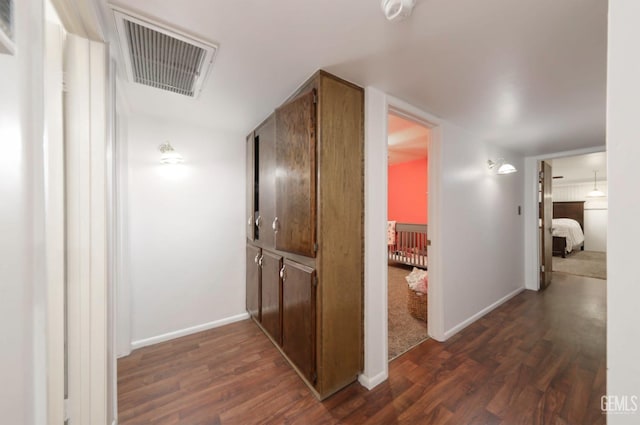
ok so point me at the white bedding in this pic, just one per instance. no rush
(570, 229)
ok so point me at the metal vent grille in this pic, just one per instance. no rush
(6, 17)
(163, 59)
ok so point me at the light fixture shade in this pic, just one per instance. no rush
(595, 193)
(503, 167)
(169, 155)
(507, 169)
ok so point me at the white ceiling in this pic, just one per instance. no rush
(579, 169)
(527, 75)
(407, 140)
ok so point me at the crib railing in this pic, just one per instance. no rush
(411, 245)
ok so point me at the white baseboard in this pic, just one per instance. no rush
(460, 326)
(187, 331)
(371, 382)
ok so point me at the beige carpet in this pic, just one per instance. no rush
(582, 263)
(405, 331)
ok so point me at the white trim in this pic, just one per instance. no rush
(370, 383)
(376, 365)
(531, 239)
(460, 326)
(377, 106)
(79, 17)
(188, 331)
(54, 221)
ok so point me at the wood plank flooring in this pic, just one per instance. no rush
(538, 359)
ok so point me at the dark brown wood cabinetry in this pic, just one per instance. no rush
(307, 177)
(296, 181)
(298, 317)
(251, 188)
(265, 146)
(272, 295)
(253, 281)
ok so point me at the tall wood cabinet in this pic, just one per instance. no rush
(305, 210)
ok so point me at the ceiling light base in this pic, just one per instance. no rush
(397, 10)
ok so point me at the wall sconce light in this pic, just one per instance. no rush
(503, 167)
(169, 155)
(595, 193)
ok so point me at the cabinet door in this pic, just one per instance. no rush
(299, 317)
(251, 188)
(272, 295)
(266, 148)
(253, 281)
(296, 177)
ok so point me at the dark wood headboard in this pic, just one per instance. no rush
(574, 210)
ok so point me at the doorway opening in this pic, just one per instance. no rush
(575, 221)
(407, 241)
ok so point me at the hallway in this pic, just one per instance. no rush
(537, 359)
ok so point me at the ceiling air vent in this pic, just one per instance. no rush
(6, 27)
(163, 58)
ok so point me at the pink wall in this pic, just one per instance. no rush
(407, 196)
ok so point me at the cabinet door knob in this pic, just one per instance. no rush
(283, 273)
(260, 261)
(259, 221)
(249, 221)
(274, 225)
(255, 260)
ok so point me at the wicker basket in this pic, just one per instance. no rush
(417, 304)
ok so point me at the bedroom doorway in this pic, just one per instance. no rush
(407, 213)
(579, 215)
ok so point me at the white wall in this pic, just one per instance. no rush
(623, 151)
(185, 229)
(22, 297)
(481, 231)
(595, 211)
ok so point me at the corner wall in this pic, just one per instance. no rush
(184, 226)
(482, 233)
(623, 151)
(22, 284)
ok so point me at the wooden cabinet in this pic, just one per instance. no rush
(265, 146)
(298, 317)
(253, 281)
(272, 295)
(308, 168)
(296, 179)
(251, 188)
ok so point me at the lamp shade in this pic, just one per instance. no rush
(506, 169)
(595, 193)
(169, 155)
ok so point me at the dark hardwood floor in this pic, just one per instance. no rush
(538, 359)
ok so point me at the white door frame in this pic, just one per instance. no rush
(377, 107)
(531, 239)
(86, 191)
(54, 222)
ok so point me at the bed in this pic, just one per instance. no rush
(568, 227)
(407, 244)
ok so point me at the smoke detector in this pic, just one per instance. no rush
(397, 10)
